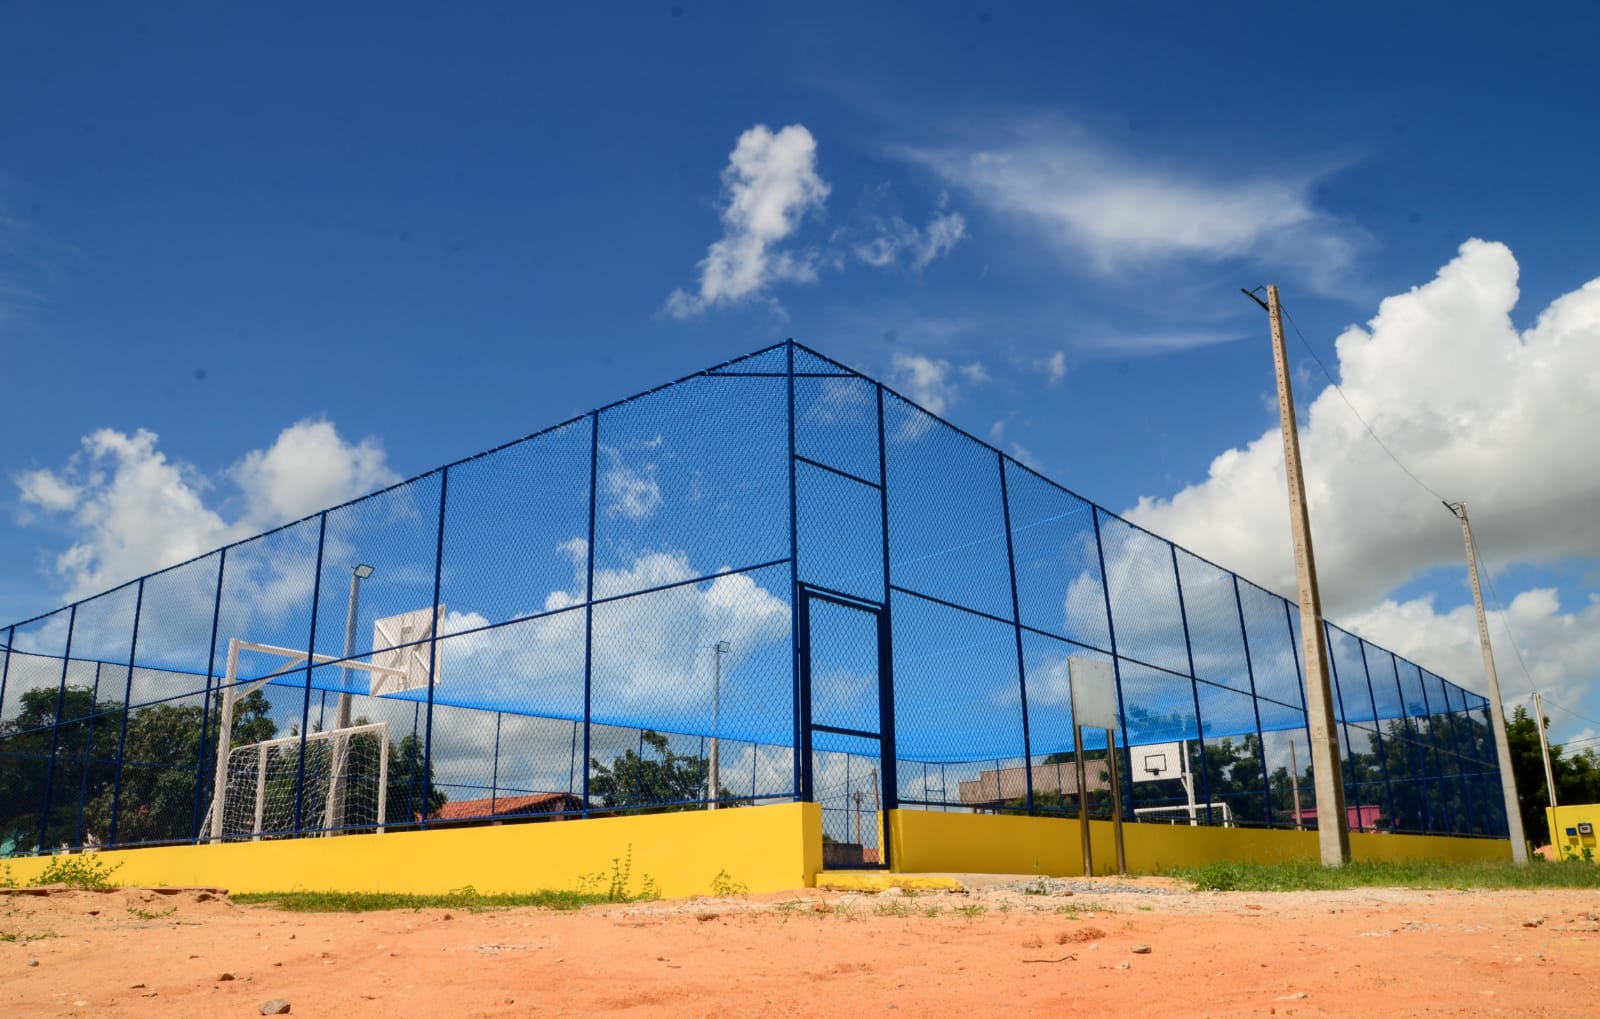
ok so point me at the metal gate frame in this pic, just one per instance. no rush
(885, 734)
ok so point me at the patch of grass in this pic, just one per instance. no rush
(12, 936)
(467, 899)
(972, 910)
(932, 910)
(1227, 876)
(6, 880)
(78, 871)
(146, 914)
(616, 886)
(892, 907)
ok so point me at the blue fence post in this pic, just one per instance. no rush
(311, 663)
(88, 753)
(797, 696)
(1351, 790)
(1255, 700)
(127, 709)
(205, 704)
(1194, 688)
(1377, 729)
(55, 734)
(1299, 676)
(1016, 626)
(5, 662)
(433, 645)
(1116, 667)
(1433, 742)
(588, 605)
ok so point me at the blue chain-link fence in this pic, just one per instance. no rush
(774, 579)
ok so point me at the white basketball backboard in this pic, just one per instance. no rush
(1094, 693)
(403, 643)
(1156, 762)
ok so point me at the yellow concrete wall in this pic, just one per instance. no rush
(766, 848)
(1570, 817)
(1002, 844)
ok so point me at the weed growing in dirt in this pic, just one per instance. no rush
(80, 871)
(723, 885)
(892, 907)
(467, 899)
(931, 910)
(6, 880)
(147, 914)
(972, 910)
(615, 886)
(13, 936)
(791, 907)
(1308, 876)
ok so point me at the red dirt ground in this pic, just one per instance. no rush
(991, 951)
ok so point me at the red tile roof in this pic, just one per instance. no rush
(503, 806)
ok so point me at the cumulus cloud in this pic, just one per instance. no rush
(307, 469)
(1115, 209)
(132, 509)
(769, 185)
(1480, 410)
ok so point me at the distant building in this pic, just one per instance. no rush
(500, 809)
(995, 788)
(1363, 817)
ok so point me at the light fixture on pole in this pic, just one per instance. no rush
(335, 814)
(713, 782)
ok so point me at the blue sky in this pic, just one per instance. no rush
(254, 263)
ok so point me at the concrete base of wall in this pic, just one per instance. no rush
(765, 848)
(756, 849)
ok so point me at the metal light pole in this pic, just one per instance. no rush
(335, 817)
(715, 781)
(1497, 713)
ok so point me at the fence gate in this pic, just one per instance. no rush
(847, 726)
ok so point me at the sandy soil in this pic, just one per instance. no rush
(1136, 947)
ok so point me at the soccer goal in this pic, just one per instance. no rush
(346, 783)
(1186, 813)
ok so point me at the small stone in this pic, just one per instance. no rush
(33, 962)
(1533, 921)
(511, 1001)
(277, 1006)
(136, 987)
(447, 916)
(1124, 965)
(1141, 949)
(225, 976)
(1296, 996)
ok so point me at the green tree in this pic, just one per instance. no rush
(665, 782)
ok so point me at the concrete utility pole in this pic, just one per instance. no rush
(1497, 713)
(1544, 749)
(1333, 823)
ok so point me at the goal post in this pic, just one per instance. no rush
(394, 673)
(262, 782)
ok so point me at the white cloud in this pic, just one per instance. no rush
(307, 469)
(134, 510)
(633, 492)
(930, 382)
(894, 239)
(1472, 406)
(1055, 367)
(1479, 410)
(1117, 209)
(770, 183)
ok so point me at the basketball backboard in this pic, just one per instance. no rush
(1156, 762)
(403, 643)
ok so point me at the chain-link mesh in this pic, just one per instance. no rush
(772, 580)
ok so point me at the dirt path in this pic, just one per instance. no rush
(1138, 948)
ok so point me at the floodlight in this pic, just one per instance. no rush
(363, 571)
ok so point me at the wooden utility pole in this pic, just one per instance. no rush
(1333, 824)
(1497, 713)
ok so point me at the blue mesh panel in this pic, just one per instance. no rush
(840, 533)
(836, 423)
(1144, 596)
(1213, 615)
(947, 533)
(956, 690)
(1059, 587)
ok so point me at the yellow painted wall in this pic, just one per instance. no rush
(1568, 818)
(1001, 844)
(766, 848)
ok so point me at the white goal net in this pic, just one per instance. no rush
(345, 786)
